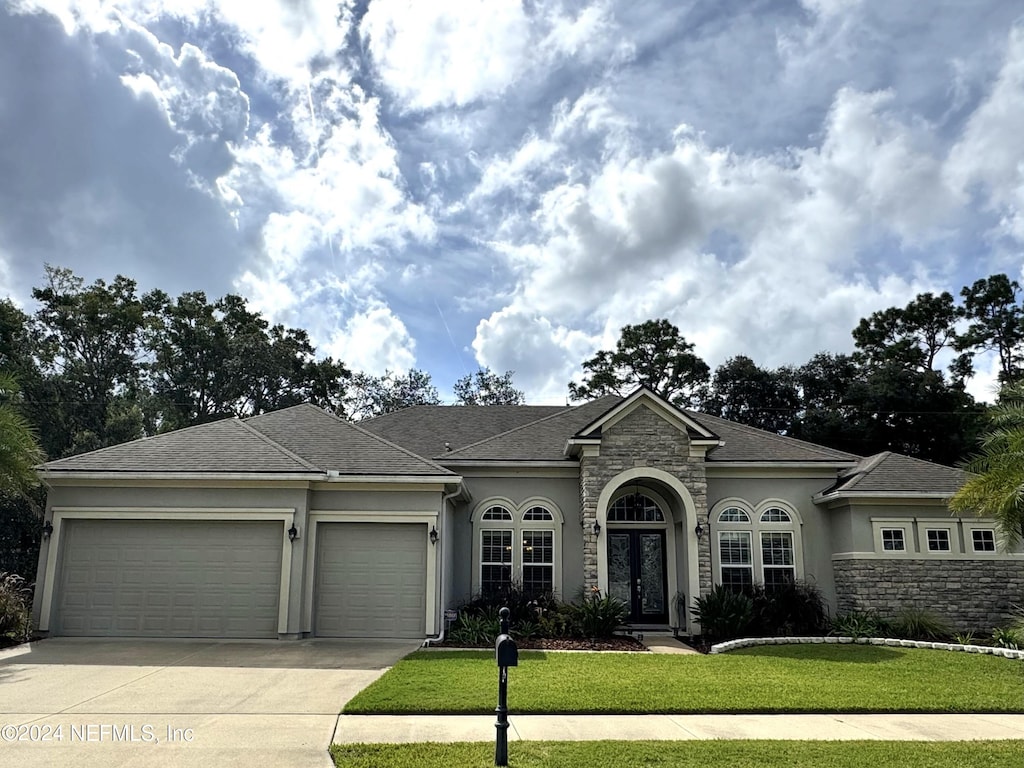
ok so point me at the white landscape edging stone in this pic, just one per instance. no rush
(747, 642)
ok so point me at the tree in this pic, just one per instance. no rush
(19, 446)
(89, 354)
(996, 323)
(996, 487)
(652, 354)
(370, 396)
(487, 388)
(743, 392)
(913, 336)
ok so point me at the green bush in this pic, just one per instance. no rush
(914, 623)
(788, 610)
(860, 624)
(15, 608)
(724, 614)
(595, 615)
(472, 629)
(1007, 637)
(522, 605)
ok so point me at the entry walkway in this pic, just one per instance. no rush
(399, 729)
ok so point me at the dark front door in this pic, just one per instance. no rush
(636, 574)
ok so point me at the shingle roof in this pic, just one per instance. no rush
(541, 440)
(743, 443)
(221, 446)
(336, 445)
(889, 472)
(424, 429)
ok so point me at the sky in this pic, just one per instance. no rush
(507, 183)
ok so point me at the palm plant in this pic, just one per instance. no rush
(19, 448)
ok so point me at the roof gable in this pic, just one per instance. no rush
(645, 397)
(220, 446)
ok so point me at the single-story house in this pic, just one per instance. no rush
(297, 523)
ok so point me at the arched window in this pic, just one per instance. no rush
(765, 551)
(635, 508)
(518, 546)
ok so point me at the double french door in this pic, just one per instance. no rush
(636, 573)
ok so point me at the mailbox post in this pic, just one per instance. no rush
(507, 655)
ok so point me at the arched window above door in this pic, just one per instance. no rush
(635, 508)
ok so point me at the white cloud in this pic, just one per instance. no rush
(447, 53)
(373, 340)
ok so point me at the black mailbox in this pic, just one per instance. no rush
(505, 651)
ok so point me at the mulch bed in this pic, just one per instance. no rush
(617, 643)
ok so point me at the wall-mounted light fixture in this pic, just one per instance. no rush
(293, 533)
(699, 530)
(597, 528)
(433, 535)
(47, 530)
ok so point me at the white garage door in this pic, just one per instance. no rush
(371, 580)
(167, 578)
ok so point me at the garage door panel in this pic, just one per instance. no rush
(371, 580)
(169, 578)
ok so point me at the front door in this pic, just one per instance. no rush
(636, 574)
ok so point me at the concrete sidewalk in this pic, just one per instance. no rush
(397, 729)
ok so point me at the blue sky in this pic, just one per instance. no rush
(443, 185)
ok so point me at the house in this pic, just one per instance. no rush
(296, 523)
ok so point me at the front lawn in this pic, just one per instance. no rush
(698, 754)
(787, 678)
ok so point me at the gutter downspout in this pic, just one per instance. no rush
(439, 638)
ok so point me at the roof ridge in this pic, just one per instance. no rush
(478, 443)
(769, 434)
(274, 444)
(380, 439)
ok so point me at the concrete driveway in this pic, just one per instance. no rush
(112, 703)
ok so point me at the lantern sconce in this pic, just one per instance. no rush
(699, 530)
(293, 533)
(433, 535)
(597, 528)
(47, 530)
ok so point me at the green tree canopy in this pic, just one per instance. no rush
(996, 323)
(653, 354)
(996, 486)
(370, 396)
(763, 398)
(487, 388)
(19, 446)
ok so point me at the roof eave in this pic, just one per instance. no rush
(838, 495)
(113, 474)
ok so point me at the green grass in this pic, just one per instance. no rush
(698, 754)
(788, 678)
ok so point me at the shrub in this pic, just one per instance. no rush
(15, 608)
(596, 615)
(860, 624)
(914, 623)
(724, 614)
(1007, 637)
(473, 629)
(788, 610)
(522, 605)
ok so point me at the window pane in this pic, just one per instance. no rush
(495, 579)
(938, 540)
(497, 513)
(737, 579)
(496, 547)
(775, 515)
(537, 513)
(778, 577)
(984, 540)
(538, 547)
(776, 549)
(892, 540)
(734, 548)
(733, 515)
(537, 579)
(635, 508)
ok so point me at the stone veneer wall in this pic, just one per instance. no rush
(642, 439)
(970, 594)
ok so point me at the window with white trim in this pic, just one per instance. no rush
(517, 547)
(495, 561)
(756, 546)
(737, 559)
(937, 539)
(635, 508)
(894, 540)
(983, 540)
